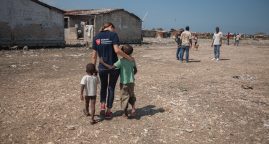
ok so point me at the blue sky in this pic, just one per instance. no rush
(240, 16)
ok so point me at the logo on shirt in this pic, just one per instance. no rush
(98, 41)
(106, 41)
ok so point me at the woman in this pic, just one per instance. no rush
(106, 46)
(178, 41)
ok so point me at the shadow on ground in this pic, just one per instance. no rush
(148, 110)
(224, 59)
(193, 60)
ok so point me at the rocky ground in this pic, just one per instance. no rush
(202, 101)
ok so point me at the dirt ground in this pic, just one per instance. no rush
(202, 101)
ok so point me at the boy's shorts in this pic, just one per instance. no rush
(90, 97)
(127, 95)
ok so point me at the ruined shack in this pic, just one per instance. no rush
(262, 36)
(82, 25)
(31, 23)
(149, 33)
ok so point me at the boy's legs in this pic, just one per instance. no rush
(93, 102)
(124, 97)
(132, 98)
(86, 111)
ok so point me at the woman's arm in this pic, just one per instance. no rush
(94, 57)
(105, 64)
(118, 51)
(135, 68)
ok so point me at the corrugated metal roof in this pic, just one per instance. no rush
(90, 12)
(48, 6)
(94, 12)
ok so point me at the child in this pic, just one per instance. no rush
(195, 40)
(89, 84)
(127, 71)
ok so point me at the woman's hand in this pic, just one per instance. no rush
(101, 61)
(118, 51)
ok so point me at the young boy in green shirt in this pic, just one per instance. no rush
(127, 71)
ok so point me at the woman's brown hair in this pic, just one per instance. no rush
(106, 25)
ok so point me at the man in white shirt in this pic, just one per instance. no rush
(217, 42)
(186, 44)
(237, 38)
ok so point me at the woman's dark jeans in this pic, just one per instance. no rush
(108, 80)
(177, 54)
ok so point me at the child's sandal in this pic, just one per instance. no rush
(125, 113)
(93, 122)
(86, 113)
(133, 113)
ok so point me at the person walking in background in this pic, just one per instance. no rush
(179, 42)
(186, 44)
(195, 41)
(228, 38)
(237, 38)
(217, 42)
(105, 45)
(89, 84)
(234, 39)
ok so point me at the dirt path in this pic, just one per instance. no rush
(200, 102)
